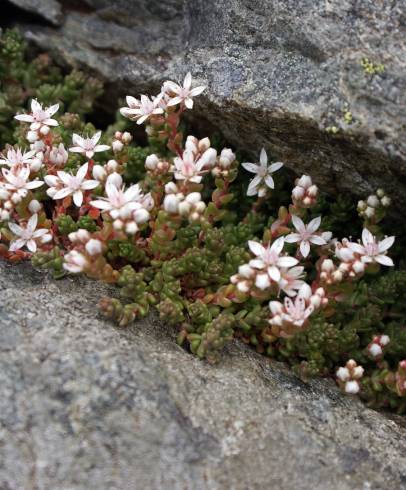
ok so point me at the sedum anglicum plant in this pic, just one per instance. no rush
(214, 243)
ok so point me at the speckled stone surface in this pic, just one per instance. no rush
(84, 405)
(279, 73)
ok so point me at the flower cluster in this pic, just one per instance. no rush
(210, 248)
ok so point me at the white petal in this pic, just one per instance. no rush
(197, 91)
(252, 189)
(104, 205)
(95, 138)
(16, 244)
(82, 171)
(314, 224)
(251, 167)
(98, 148)
(367, 237)
(305, 248)
(277, 245)
(269, 182)
(187, 83)
(78, 198)
(287, 261)
(62, 193)
(274, 273)
(263, 158)
(89, 184)
(16, 229)
(298, 224)
(24, 118)
(77, 140)
(256, 248)
(292, 238)
(386, 243)
(32, 223)
(189, 103)
(32, 246)
(275, 166)
(317, 240)
(384, 260)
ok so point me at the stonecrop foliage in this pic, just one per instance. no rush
(221, 247)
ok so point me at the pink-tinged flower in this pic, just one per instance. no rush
(39, 116)
(292, 313)
(28, 236)
(87, 146)
(147, 108)
(306, 234)
(372, 250)
(131, 112)
(269, 259)
(291, 280)
(186, 168)
(65, 184)
(263, 175)
(13, 158)
(183, 94)
(18, 181)
(118, 199)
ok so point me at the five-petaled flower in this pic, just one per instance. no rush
(39, 116)
(182, 94)
(18, 183)
(186, 168)
(87, 146)
(263, 175)
(270, 260)
(28, 235)
(15, 158)
(373, 250)
(119, 201)
(306, 234)
(64, 184)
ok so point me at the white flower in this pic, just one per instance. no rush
(39, 116)
(87, 146)
(187, 169)
(145, 109)
(18, 181)
(372, 250)
(65, 184)
(292, 312)
(118, 200)
(17, 157)
(28, 236)
(270, 259)
(305, 234)
(183, 94)
(263, 174)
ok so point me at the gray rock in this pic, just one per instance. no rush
(279, 73)
(85, 405)
(50, 10)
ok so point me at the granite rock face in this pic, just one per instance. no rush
(84, 405)
(280, 73)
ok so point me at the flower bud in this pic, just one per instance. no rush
(373, 201)
(44, 130)
(32, 136)
(141, 216)
(184, 208)
(94, 247)
(194, 197)
(34, 206)
(262, 281)
(204, 144)
(304, 181)
(117, 146)
(151, 162)
(171, 203)
(126, 138)
(111, 166)
(171, 188)
(35, 165)
(115, 179)
(99, 173)
(208, 159)
(131, 228)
